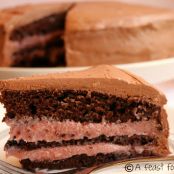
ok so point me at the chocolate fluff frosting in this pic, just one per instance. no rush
(114, 14)
(103, 78)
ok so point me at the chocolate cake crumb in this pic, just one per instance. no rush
(81, 161)
(121, 140)
(41, 55)
(76, 105)
(48, 24)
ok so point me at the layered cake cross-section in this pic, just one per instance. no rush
(84, 118)
(32, 35)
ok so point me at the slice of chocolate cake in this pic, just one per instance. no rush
(85, 118)
(32, 35)
(117, 33)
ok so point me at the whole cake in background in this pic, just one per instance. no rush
(82, 119)
(83, 34)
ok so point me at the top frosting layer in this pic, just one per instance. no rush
(103, 78)
(113, 14)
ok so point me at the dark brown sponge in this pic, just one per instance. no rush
(41, 55)
(42, 26)
(76, 105)
(81, 161)
(121, 140)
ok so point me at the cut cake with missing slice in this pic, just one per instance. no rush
(32, 35)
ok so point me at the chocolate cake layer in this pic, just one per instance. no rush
(42, 26)
(77, 105)
(121, 140)
(82, 160)
(41, 55)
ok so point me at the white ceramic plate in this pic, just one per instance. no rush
(152, 71)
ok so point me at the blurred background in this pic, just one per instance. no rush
(160, 3)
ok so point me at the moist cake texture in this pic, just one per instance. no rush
(59, 34)
(81, 119)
